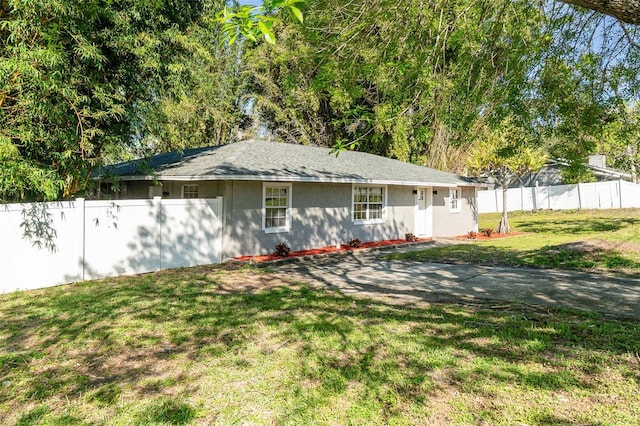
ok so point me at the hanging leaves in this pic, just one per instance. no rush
(78, 81)
(409, 80)
(252, 22)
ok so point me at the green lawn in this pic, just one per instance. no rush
(212, 346)
(596, 240)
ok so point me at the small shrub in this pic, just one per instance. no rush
(410, 237)
(472, 235)
(283, 249)
(487, 232)
(355, 242)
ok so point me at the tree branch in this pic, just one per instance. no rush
(627, 11)
(628, 36)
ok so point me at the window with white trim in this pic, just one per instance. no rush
(276, 207)
(454, 200)
(189, 191)
(368, 204)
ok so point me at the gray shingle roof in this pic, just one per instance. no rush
(272, 161)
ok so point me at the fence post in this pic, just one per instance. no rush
(620, 192)
(579, 195)
(220, 231)
(81, 205)
(157, 206)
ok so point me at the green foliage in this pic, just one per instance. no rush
(421, 91)
(415, 91)
(587, 79)
(576, 172)
(89, 81)
(84, 83)
(252, 22)
(620, 141)
(505, 154)
(203, 102)
(573, 114)
(20, 177)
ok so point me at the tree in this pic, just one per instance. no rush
(85, 82)
(505, 154)
(571, 114)
(416, 92)
(582, 84)
(202, 102)
(420, 91)
(81, 82)
(620, 142)
(75, 79)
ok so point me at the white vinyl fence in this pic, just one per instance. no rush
(46, 244)
(597, 195)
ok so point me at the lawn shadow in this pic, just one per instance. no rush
(93, 342)
(595, 256)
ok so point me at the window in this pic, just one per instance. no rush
(190, 191)
(276, 209)
(368, 204)
(454, 200)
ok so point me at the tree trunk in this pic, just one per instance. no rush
(503, 226)
(631, 152)
(627, 11)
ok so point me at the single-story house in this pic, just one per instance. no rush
(305, 196)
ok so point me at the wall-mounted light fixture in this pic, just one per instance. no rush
(415, 191)
(435, 192)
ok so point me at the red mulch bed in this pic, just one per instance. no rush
(494, 236)
(322, 250)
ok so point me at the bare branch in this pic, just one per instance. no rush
(628, 36)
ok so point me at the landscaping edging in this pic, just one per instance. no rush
(341, 253)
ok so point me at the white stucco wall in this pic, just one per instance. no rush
(321, 216)
(447, 223)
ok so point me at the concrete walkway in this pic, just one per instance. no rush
(369, 274)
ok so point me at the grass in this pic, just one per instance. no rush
(592, 240)
(212, 346)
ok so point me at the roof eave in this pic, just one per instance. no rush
(309, 179)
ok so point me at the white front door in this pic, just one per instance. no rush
(424, 219)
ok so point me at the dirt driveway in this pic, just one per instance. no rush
(371, 275)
